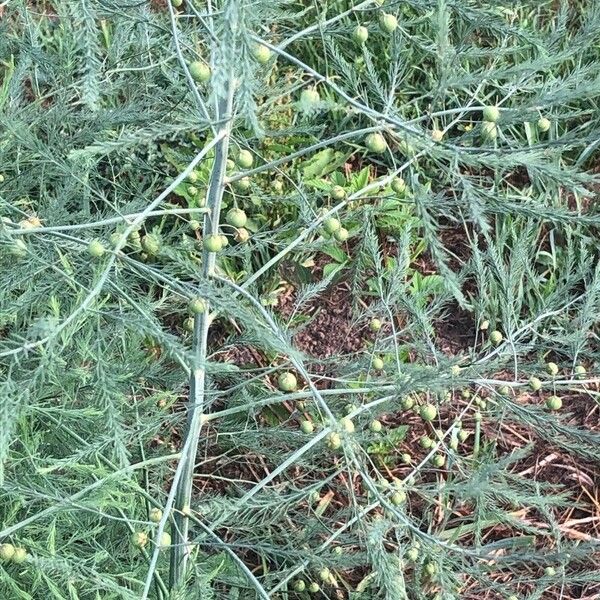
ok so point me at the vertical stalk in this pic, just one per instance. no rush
(180, 551)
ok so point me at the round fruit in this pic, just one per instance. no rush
(375, 325)
(360, 34)
(7, 551)
(96, 249)
(477, 416)
(341, 235)
(428, 412)
(347, 425)
(544, 124)
(375, 142)
(388, 23)
(375, 426)
(194, 225)
(139, 539)
(377, 363)
(438, 461)
(188, 325)
(18, 249)
(406, 458)
(299, 585)
(437, 135)
(334, 441)
(242, 235)
(398, 497)
(287, 382)
(549, 571)
(192, 190)
(197, 306)
(192, 177)
(535, 384)
(224, 241)
(426, 442)
(261, 54)
(455, 370)
(552, 368)
(325, 574)
(165, 540)
(277, 186)
(407, 402)
(310, 96)
(331, 225)
(491, 114)
(462, 435)
(430, 569)
(19, 556)
(553, 403)
(150, 244)
(155, 515)
(399, 186)
(212, 242)
(504, 390)
(412, 554)
(237, 217)
(176, 3)
(489, 130)
(244, 159)
(580, 371)
(496, 337)
(314, 587)
(242, 185)
(199, 71)
(307, 427)
(337, 192)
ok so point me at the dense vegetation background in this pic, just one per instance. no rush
(299, 299)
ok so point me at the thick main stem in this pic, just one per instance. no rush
(181, 550)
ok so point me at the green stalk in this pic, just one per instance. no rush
(181, 550)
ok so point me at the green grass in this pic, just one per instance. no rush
(111, 406)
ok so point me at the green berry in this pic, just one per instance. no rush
(334, 441)
(455, 370)
(377, 363)
(376, 143)
(462, 435)
(504, 390)
(155, 515)
(307, 427)
(398, 497)
(261, 54)
(19, 556)
(341, 235)
(243, 184)
(552, 368)
(96, 249)
(347, 425)
(553, 403)
(188, 324)
(412, 554)
(194, 225)
(165, 540)
(388, 23)
(7, 551)
(18, 249)
(314, 587)
(139, 539)
(406, 458)
(277, 186)
(197, 306)
(331, 225)
(375, 325)
(477, 417)
(426, 442)
(337, 192)
(236, 217)
(287, 382)
(325, 574)
(309, 96)
(549, 571)
(491, 114)
(428, 412)
(150, 244)
(244, 159)
(543, 124)
(580, 371)
(199, 71)
(399, 186)
(242, 235)
(375, 426)
(489, 131)
(299, 585)
(535, 384)
(496, 337)
(430, 569)
(437, 135)
(212, 242)
(438, 460)
(407, 402)
(360, 34)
